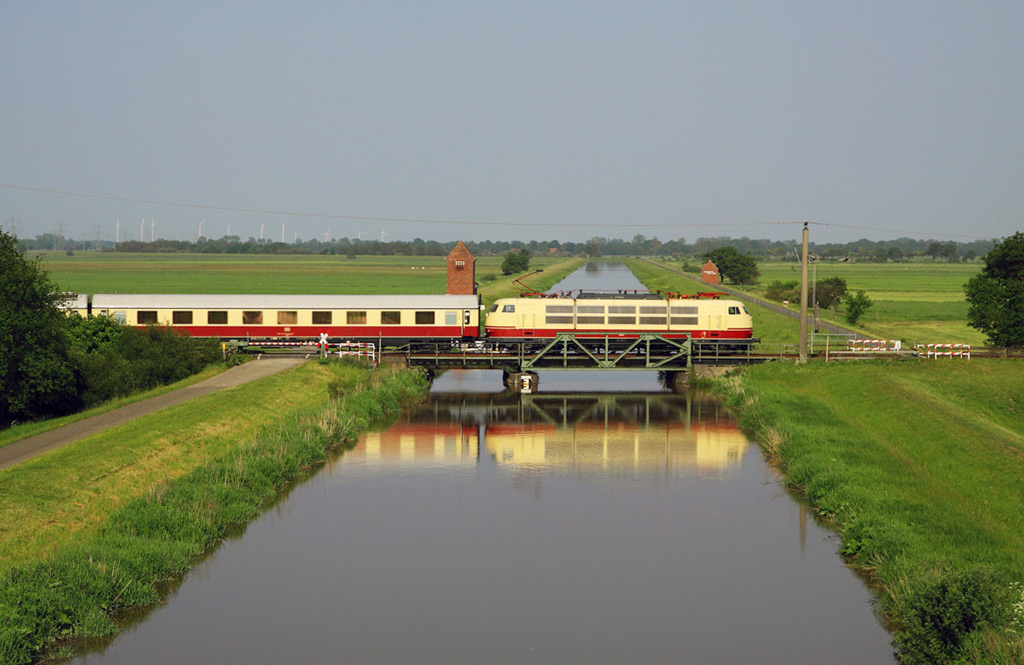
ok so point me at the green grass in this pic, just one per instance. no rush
(183, 506)
(111, 272)
(916, 302)
(919, 465)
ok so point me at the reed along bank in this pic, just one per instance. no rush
(76, 589)
(919, 465)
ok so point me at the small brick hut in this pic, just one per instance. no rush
(709, 273)
(461, 271)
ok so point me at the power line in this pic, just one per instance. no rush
(319, 215)
(322, 215)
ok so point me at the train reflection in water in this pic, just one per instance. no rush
(645, 433)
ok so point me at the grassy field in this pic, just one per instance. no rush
(920, 466)
(110, 272)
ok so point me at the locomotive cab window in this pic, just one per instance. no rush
(182, 318)
(424, 318)
(252, 318)
(734, 310)
(494, 307)
(145, 317)
(219, 318)
(323, 318)
(390, 318)
(355, 318)
(508, 309)
(287, 318)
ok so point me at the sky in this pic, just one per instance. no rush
(527, 120)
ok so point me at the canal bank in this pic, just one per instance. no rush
(75, 591)
(919, 467)
(575, 525)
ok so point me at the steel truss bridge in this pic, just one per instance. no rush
(572, 351)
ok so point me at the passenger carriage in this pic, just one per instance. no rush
(393, 319)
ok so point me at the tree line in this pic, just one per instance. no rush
(900, 249)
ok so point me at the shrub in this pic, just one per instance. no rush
(940, 614)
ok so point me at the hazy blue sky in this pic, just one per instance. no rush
(639, 117)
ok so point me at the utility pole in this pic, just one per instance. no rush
(803, 300)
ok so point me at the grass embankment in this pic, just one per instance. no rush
(920, 467)
(769, 326)
(506, 288)
(89, 529)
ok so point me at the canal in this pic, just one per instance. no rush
(602, 520)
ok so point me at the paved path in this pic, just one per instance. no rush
(25, 449)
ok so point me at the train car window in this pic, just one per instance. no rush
(322, 318)
(734, 310)
(120, 316)
(451, 318)
(146, 316)
(393, 318)
(254, 318)
(684, 320)
(508, 309)
(356, 318)
(218, 318)
(181, 318)
(621, 309)
(287, 318)
(424, 318)
(465, 317)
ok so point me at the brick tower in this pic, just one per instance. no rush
(709, 273)
(461, 271)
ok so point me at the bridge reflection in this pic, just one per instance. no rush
(605, 432)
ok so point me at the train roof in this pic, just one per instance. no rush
(75, 301)
(278, 301)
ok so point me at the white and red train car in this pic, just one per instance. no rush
(353, 317)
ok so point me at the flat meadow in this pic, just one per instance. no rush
(916, 302)
(113, 272)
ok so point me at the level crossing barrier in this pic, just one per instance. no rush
(874, 345)
(937, 351)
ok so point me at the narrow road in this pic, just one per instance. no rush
(26, 449)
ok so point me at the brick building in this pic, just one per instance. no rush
(461, 271)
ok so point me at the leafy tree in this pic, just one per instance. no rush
(516, 261)
(856, 305)
(37, 376)
(779, 291)
(831, 291)
(996, 295)
(739, 268)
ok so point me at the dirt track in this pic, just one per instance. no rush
(26, 449)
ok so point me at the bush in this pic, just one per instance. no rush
(940, 614)
(779, 291)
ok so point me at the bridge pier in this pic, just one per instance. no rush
(521, 382)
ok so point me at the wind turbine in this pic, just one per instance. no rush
(201, 230)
